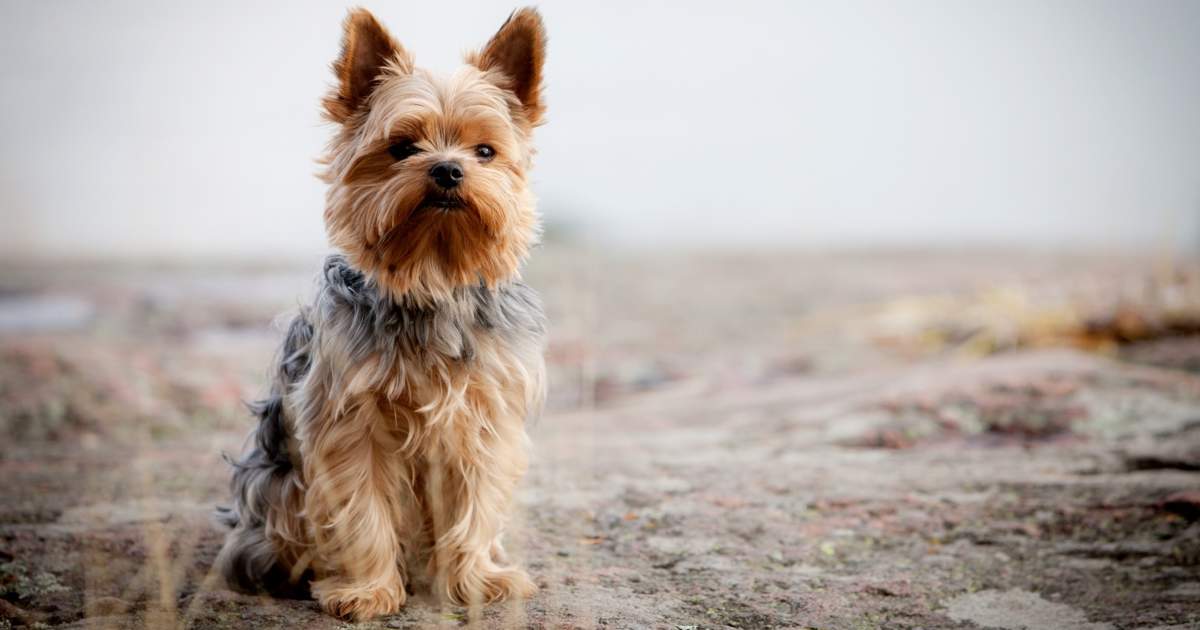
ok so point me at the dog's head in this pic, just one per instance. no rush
(428, 186)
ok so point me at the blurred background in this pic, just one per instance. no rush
(863, 314)
(172, 128)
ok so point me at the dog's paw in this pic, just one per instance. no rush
(487, 586)
(358, 602)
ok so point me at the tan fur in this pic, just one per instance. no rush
(410, 466)
(406, 457)
(373, 209)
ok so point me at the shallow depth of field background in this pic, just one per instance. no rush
(138, 128)
(863, 314)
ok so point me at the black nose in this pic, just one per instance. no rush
(447, 174)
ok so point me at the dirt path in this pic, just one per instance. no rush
(766, 448)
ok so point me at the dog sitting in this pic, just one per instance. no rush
(394, 433)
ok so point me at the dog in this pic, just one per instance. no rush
(393, 435)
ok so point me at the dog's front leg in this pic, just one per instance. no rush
(353, 504)
(470, 486)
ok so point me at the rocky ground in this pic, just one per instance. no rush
(751, 441)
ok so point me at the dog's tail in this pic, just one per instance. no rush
(265, 551)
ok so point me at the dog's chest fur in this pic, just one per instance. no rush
(478, 356)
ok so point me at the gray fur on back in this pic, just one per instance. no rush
(351, 313)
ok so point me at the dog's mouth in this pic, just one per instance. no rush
(442, 202)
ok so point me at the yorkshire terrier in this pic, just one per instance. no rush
(394, 433)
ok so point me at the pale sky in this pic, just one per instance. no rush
(154, 128)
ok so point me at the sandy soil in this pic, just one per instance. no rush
(749, 441)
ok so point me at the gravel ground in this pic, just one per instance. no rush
(767, 440)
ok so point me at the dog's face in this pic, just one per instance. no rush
(428, 186)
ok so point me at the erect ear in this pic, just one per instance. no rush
(517, 51)
(366, 49)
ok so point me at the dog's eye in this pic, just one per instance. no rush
(485, 152)
(403, 149)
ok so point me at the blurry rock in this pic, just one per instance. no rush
(11, 612)
(105, 606)
(1018, 609)
(44, 313)
(1177, 353)
(1185, 504)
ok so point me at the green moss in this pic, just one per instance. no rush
(17, 580)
